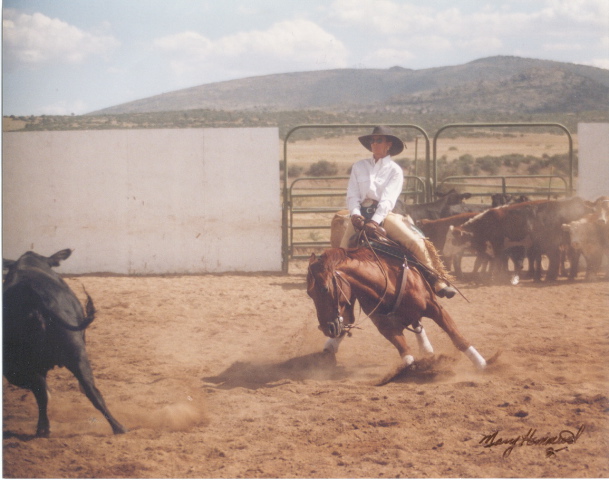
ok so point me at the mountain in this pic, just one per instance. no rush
(500, 84)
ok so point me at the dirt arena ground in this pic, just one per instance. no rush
(219, 376)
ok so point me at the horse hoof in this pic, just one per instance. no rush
(407, 360)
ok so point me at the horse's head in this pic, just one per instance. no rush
(332, 296)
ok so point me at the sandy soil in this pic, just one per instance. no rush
(219, 376)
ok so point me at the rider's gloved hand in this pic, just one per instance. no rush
(373, 229)
(357, 221)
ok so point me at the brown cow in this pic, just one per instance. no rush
(536, 225)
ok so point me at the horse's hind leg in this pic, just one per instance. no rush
(446, 323)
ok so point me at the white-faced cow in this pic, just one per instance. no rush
(43, 327)
(590, 237)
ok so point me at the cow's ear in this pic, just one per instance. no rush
(312, 258)
(57, 258)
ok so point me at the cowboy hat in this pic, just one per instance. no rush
(396, 144)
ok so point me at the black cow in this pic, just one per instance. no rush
(432, 210)
(43, 327)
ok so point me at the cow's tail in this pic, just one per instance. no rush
(89, 311)
(87, 320)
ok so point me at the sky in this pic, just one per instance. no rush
(63, 57)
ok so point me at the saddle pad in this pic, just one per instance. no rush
(396, 252)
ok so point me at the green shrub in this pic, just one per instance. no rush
(323, 168)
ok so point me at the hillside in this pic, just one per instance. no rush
(496, 84)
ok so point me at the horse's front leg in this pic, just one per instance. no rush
(398, 340)
(446, 323)
(332, 344)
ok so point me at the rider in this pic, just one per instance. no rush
(374, 187)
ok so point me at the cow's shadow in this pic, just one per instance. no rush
(314, 366)
(8, 434)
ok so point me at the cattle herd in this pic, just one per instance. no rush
(512, 228)
(44, 322)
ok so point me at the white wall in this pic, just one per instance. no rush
(593, 155)
(145, 201)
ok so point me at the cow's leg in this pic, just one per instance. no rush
(439, 315)
(82, 371)
(536, 260)
(39, 389)
(573, 262)
(553, 267)
(457, 261)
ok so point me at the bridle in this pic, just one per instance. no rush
(337, 326)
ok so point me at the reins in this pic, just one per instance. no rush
(402, 285)
(400, 295)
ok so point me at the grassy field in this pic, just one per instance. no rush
(346, 150)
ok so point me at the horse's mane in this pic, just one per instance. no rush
(334, 257)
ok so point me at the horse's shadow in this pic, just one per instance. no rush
(314, 366)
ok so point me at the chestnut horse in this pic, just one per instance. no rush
(393, 294)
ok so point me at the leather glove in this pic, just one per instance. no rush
(373, 229)
(357, 221)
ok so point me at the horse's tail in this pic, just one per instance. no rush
(437, 263)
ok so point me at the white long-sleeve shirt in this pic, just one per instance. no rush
(381, 181)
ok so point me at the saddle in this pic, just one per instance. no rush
(383, 245)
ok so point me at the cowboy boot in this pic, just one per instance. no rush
(440, 287)
(443, 289)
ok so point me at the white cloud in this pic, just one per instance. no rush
(599, 63)
(62, 107)
(587, 12)
(293, 45)
(37, 39)
(388, 17)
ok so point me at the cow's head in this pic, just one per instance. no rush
(601, 208)
(452, 197)
(32, 260)
(457, 240)
(583, 234)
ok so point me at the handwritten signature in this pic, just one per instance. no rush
(531, 440)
